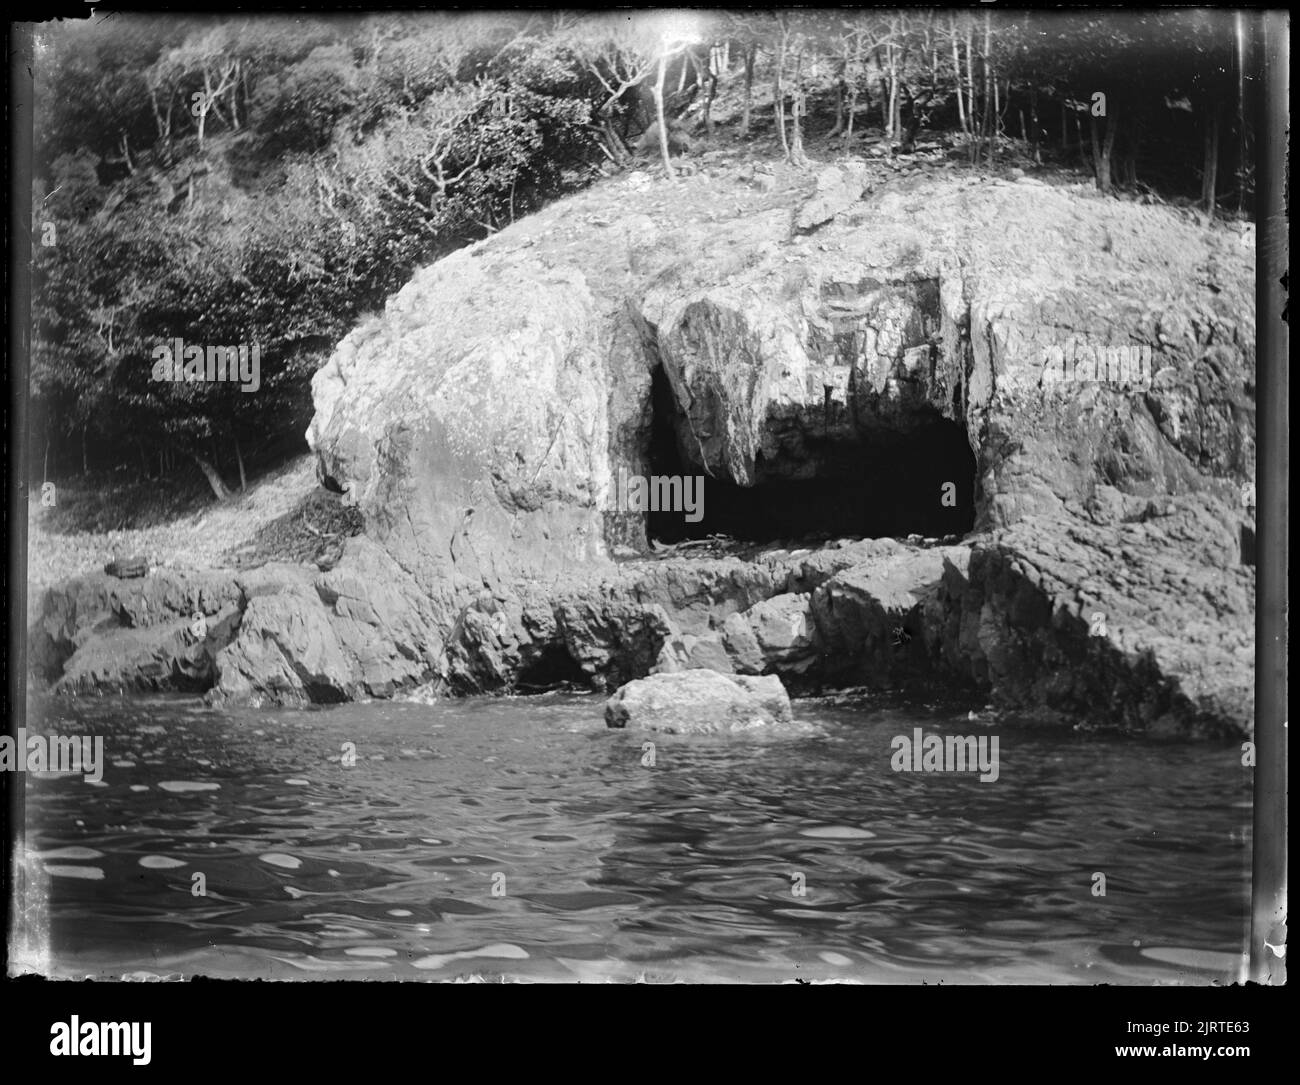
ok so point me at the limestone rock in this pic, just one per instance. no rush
(160, 657)
(838, 188)
(97, 606)
(871, 617)
(1104, 395)
(699, 702)
(470, 423)
(360, 629)
(773, 636)
(687, 652)
(1146, 625)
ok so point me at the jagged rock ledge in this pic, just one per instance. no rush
(828, 362)
(998, 618)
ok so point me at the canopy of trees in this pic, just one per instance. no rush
(266, 180)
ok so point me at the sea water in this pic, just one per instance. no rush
(519, 838)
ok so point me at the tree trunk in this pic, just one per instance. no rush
(778, 95)
(913, 128)
(1101, 150)
(85, 462)
(797, 106)
(709, 77)
(239, 459)
(853, 103)
(956, 67)
(839, 106)
(1210, 177)
(750, 55)
(796, 128)
(1096, 150)
(970, 76)
(210, 473)
(1108, 145)
(896, 121)
(1033, 117)
(616, 148)
(663, 124)
(989, 98)
(898, 98)
(1132, 143)
(890, 130)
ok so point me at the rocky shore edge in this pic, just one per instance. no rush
(1087, 406)
(1037, 619)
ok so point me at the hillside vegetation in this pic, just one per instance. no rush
(270, 181)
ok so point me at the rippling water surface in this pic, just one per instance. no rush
(520, 838)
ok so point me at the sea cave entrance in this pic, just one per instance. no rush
(917, 481)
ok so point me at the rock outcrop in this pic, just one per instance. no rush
(1145, 624)
(699, 702)
(161, 632)
(838, 189)
(1063, 382)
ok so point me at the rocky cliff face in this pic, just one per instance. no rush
(1064, 382)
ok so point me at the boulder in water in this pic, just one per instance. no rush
(700, 702)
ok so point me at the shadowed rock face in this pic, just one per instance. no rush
(1090, 403)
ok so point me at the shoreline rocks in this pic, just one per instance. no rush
(1103, 394)
(700, 702)
(1010, 618)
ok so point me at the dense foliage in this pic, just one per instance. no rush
(265, 180)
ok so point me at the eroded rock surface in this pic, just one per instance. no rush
(99, 632)
(1092, 360)
(700, 702)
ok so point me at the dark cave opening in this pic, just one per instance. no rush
(917, 482)
(552, 668)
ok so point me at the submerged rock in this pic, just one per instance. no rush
(700, 702)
